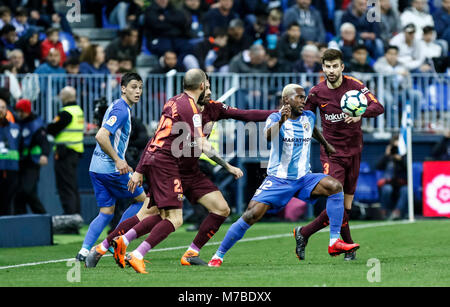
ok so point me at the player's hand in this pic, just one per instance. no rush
(122, 166)
(236, 171)
(135, 181)
(329, 149)
(350, 119)
(285, 112)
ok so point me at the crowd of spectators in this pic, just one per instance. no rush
(219, 35)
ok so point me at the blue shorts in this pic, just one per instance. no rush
(109, 187)
(277, 192)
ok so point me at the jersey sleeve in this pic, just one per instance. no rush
(374, 107)
(226, 112)
(272, 120)
(115, 120)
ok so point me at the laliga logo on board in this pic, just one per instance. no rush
(438, 194)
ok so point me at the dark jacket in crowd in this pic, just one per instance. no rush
(174, 25)
(39, 138)
(214, 19)
(287, 51)
(201, 51)
(31, 53)
(236, 46)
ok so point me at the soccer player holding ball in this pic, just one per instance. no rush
(344, 133)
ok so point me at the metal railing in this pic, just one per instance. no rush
(428, 93)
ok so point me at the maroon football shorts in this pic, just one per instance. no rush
(344, 169)
(196, 184)
(167, 187)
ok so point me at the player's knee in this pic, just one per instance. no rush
(222, 210)
(107, 210)
(253, 214)
(334, 187)
(175, 217)
(176, 222)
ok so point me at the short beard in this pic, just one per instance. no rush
(332, 82)
(201, 98)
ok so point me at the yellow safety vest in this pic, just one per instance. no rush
(72, 135)
(214, 141)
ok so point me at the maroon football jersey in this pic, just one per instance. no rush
(182, 108)
(347, 139)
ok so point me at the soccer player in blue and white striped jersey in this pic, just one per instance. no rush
(289, 174)
(109, 171)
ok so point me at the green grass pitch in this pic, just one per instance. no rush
(391, 254)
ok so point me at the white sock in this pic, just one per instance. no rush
(332, 241)
(137, 254)
(192, 250)
(125, 241)
(83, 251)
(104, 249)
(217, 257)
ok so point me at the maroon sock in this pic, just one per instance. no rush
(160, 232)
(345, 229)
(208, 228)
(320, 222)
(123, 227)
(146, 225)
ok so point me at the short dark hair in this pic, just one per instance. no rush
(359, 47)
(390, 47)
(21, 11)
(293, 24)
(331, 55)
(71, 61)
(126, 32)
(128, 77)
(4, 10)
(219, 32)
(50, 31)
(427, 29)
(7, 29)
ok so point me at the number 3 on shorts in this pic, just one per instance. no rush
(326, 168)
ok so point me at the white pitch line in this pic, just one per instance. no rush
(362, 226)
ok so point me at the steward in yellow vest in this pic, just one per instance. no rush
(68, 130)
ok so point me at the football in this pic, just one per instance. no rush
(354, 103)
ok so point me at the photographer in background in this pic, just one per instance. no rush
(393, 185)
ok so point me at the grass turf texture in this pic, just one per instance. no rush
(409, 255)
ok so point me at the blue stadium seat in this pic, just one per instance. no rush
(144, 48)
(67, 41)
(364, 167)
(105, 21)
(367, 189)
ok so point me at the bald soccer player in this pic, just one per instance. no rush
(197, 111)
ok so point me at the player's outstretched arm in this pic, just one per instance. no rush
(102, 138)
(208, 150)
(245, 115)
